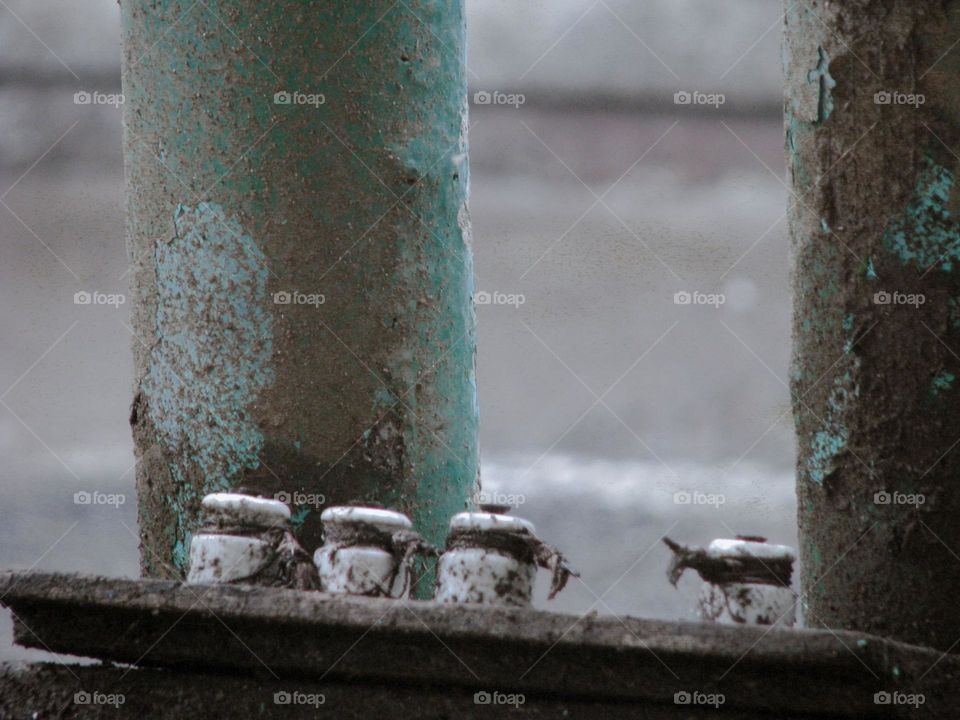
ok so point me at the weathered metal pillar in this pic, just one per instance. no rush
(296, 197)
(873, 135)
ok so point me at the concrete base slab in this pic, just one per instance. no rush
(242, 644)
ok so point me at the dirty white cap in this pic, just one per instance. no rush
(489, 522)
(725, 548)
(256, 511)
(382, 519)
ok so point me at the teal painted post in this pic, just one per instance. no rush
(873, 139)
(297, 181)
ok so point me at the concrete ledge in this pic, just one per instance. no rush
(319, 641)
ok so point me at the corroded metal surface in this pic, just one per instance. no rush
(315, 637)
(872, 136)
(296, 194)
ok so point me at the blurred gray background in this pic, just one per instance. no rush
(597, 199)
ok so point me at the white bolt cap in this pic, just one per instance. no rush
(490, 522)
(725, 548)
(260, 512)
(379, 518)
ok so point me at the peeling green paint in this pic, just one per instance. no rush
(927, 234)
(181, 552)
(821, 75)
(871, 272)
(212, 355)
(953, 313)
(942, 382)
(185, 499)
(298, 517)
(832, 439)
(214, 344)
(826, 445)
(794, 129)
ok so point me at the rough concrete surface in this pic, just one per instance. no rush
(290, 634)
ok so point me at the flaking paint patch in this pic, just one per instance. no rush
(942, 382)
(184, 498)
(953, 313)
(927, 233)
(821, 75)
(213, 349)
(833, 437)
(299, 517)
